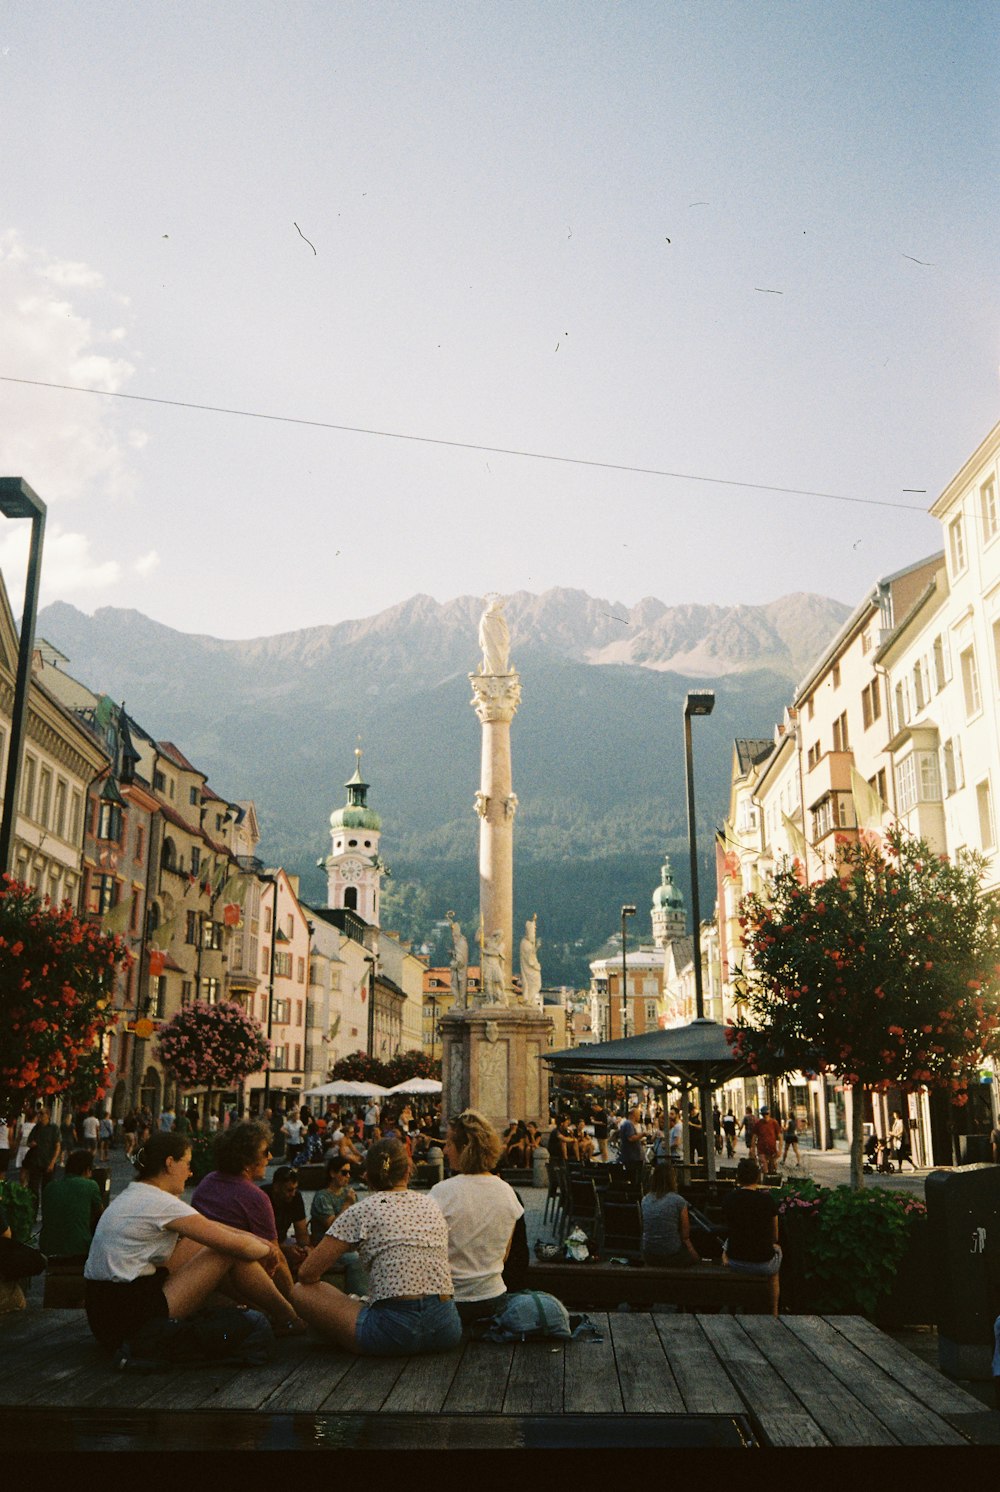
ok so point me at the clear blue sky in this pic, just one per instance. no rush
(554, 227)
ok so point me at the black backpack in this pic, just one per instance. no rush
(213, 1334)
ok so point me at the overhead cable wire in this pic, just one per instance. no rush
(468, 445)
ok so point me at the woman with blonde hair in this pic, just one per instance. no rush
(402, 1239)
(481, 1210)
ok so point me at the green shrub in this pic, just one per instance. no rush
(850, 1243)
(20, 1206)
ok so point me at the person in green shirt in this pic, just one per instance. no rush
(73, 1205)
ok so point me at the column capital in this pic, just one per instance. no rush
(495, 696)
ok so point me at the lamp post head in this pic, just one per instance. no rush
(700, 702)
(17, 500)
(628, 911)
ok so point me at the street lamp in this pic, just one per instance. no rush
(627, 911)
(698, 703)
(18, 501)
(369, 960)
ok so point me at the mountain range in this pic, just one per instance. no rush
(597, 743)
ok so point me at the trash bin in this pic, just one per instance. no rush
(963, 1231)
(540, 1167)
(974, 1150)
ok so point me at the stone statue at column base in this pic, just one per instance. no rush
(531, 969)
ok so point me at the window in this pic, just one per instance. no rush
(942, 662)
(191, 935)
(159, 782)
(211, 934)
(109, 822)
(835, 675)
(970, 682)
(840, 736)
(140, 841)
(813, 756)
(193, 797)
(282, 1012)
(267, 919)
(279, 1059)
(921, 689)
(877, 784)
(195, 859)
(917, 780)
(810, 707)
(984, 802)
(954, 775)
(158, 996)
(44, 795)
(988, 510)
(956, 545)
(282, 965)
(823, 818)
(996, 650)
(101, 897)
(871, 703)
(28, 786)
(652, 1014)
(75, 818)
(133, 926)
(866, 641)
(265, 959)
(298, 1012)
(59, 822)
(210, 991)
(300, 975)
(298, 1056)
(187, 991)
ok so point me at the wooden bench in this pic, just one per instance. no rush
(603, 1287)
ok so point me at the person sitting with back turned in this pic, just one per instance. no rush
(289, 1212)
(751, 1215)
(402, 1238)
(230, 1194)
(481, 1211)
(666, 1225)
(73, 1207)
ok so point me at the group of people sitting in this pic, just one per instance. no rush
(427, 1262)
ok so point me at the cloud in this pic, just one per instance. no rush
(146, 563)
(69, 568)
(59, 324)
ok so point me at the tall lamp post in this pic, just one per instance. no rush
(699, 703)
(17, 500)
(627, 911)
(370, 961)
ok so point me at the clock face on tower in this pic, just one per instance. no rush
(350, 870)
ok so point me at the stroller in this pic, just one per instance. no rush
(878, 1156)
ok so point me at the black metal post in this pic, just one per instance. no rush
(17, 500)
(698, 704)
(270, 996)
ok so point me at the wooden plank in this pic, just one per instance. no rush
(590, 1384)
(110, 1390)
(43, 1370)
(424, 1383)
(481, 1382)
(20, 1327)
(925, 1383)
(535, 1385)
(844, 1419)
(910, 1422)
(703, 1387)
(644, 1377)
(367, 1384)
(785, 1423)
(311, 1382)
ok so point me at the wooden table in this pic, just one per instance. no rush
(799, 1380)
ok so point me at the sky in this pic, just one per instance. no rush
(753, 243)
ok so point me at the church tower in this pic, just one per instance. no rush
(669, 915)
(354, 869)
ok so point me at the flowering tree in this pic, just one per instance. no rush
(360, 1068)
(57, 977)
(212, 1046)
(412, 1064)
(886, 972)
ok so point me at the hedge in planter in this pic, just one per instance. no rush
(846, 1250)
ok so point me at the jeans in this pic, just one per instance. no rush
(400, 1328)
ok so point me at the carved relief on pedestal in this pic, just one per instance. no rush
(493, 1078)
(457, 1098)
(495, 697)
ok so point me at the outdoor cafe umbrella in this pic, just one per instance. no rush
(693, 1056)
(416, 1085)
(346, 1088)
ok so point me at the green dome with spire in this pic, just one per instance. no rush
(356, 814)
(667, 894)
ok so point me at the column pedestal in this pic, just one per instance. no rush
(491, 1061)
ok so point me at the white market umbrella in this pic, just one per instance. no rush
(346, 1088)
(417, 1085)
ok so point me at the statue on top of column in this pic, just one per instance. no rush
(494, 637)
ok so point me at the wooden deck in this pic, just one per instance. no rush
(799, 1381)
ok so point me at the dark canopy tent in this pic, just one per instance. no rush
(695, 1056)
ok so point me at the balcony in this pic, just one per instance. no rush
(831, 774)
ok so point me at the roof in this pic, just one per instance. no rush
(692, 1054)
(750, 753)
(176, 755)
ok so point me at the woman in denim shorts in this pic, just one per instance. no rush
(402, 1238)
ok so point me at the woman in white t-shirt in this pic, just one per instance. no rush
(481, 1211)
(402, 1238)
(154, 1256)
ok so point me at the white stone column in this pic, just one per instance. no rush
(495, 701)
